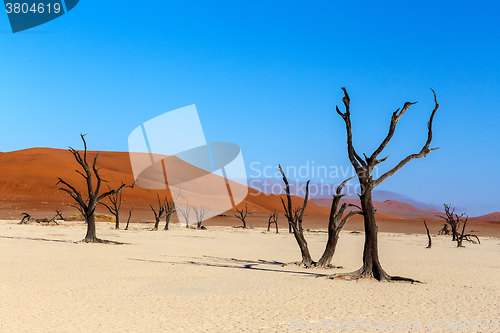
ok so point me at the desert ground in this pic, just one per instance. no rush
(228, 279)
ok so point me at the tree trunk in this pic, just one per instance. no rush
(304, 250)
(428, 236)
(371, 265)
(331, 245)
(91, 234)
(117, 223)
(157, 223)
(167, 222)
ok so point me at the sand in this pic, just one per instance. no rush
(232, 280)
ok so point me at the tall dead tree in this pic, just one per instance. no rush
(200, 213)
(87, 206)
(242, 215)
(158, 213)
(294, 216)
(273, 218)
(336, 222)
(371, 265)
(129, 216)
(115, 203)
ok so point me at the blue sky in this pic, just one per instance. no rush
(267, 76)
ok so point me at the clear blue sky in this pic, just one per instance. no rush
(267, 76)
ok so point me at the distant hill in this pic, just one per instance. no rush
(391, 207)
(493, 217)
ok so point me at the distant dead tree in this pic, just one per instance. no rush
(26, 218)
(242, 215)
(159, 212)
(455, 221)
(273, 218)
(59, 214)
(200, 212)
(185, 212)
(371, 265)
(170, 209)
(444, 230)
(294, 216)
(336, 222)
(87, 206)
(129, 216)
(115, 203)
(428, 236)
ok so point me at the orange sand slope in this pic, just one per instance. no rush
(28, 182)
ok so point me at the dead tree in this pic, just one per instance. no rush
(26, 218)
(273, 218)
(200, 213)
(185, 212)
(428, 236)
(114, 206)
(87, 206)
(158, 213)
(129, 216)
(444, 230)
(336, 222)
(59, 214)
(294, 216)
(243, 215)
(455, 221)
(169, 209)
(468, 237)
(371, 265)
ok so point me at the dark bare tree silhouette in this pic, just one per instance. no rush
(200, 212)
(26, 218)
(444, 230)
(129, 216)
(59, 214)
(273, 218)
(87, 206)
(371, 265)
(158, 213)
(242, 215)
(170, 209)
(115, 203)
(455, 221)
(428, 236)
(294, 216)
(336, 222)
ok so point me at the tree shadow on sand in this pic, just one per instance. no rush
(210, 261)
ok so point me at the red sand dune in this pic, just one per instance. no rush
(391, 207)
(28, 183)
(493, 217)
